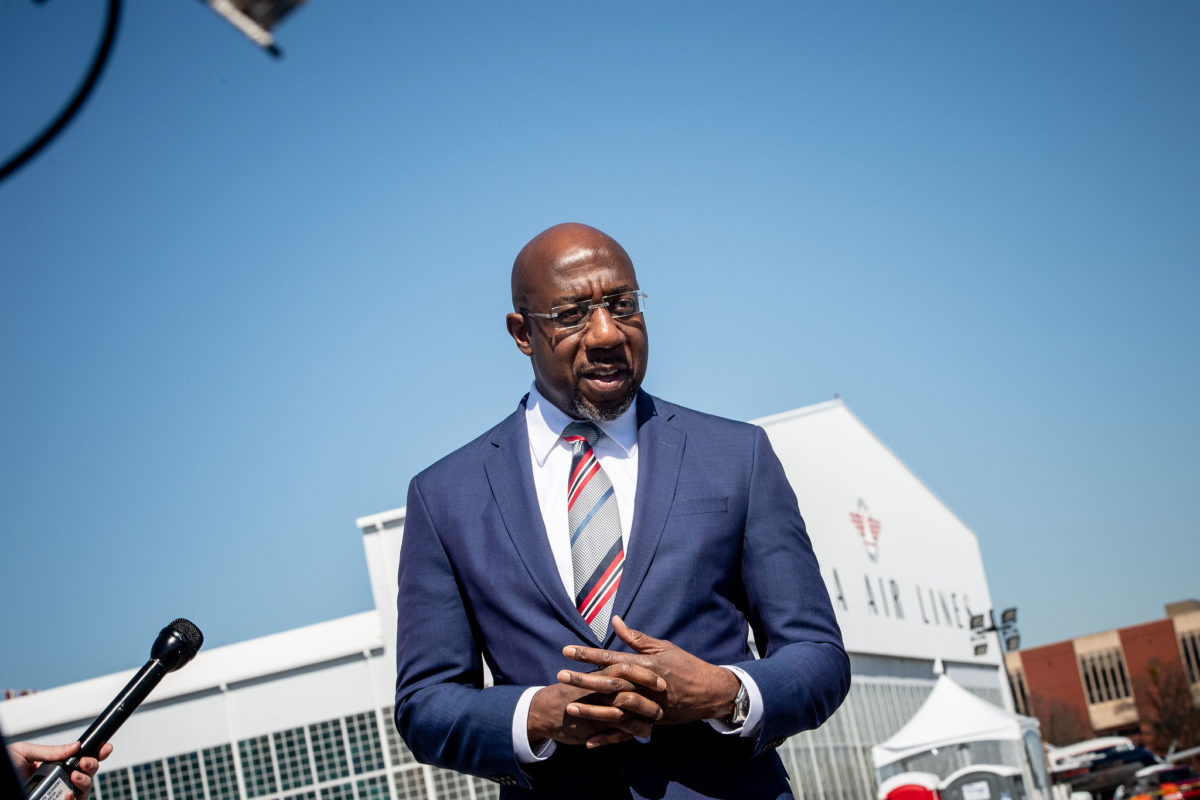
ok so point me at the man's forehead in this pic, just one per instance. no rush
(583, 257)
(583, 275)
(568, 262)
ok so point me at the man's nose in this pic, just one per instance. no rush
(601, 330)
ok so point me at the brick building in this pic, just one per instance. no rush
(1142, 681)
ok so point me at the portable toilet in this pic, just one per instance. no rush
(983, 782)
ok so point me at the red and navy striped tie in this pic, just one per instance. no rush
(595, 522)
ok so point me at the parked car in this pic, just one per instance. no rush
(1166, 782)
(1104, 767)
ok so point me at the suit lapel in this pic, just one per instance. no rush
(510, 474)
(660, 454)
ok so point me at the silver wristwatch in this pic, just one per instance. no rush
(741, 707)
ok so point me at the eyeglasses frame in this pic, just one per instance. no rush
(590, 307)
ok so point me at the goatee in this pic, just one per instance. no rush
(584, 410)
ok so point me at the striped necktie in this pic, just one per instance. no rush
(595, 523)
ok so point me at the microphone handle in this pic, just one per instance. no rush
(105, 725)
(52, 780)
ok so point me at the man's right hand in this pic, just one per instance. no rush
(598, 716)
(27, 757)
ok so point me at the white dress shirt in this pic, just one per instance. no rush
(551, 455)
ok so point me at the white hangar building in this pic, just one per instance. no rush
(306, 714)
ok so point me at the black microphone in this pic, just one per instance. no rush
(175, 646)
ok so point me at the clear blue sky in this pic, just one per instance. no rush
(244, 301)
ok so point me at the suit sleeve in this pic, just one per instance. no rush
(804, 672)
(443, 712)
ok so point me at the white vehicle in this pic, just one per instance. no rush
(1083, 753)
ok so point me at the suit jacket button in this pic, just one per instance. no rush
(775, 743)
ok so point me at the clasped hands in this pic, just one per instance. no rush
(658, 683)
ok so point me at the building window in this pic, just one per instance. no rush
(375, 788)
(291, 751)
(342, 791)
(366, 753)
(410, 784)
(329, 750)
(115, 785)
(485, 790)
(258, 768)
(218, 769)
(150, 781)
(1189, 645)
(184, 771)
(1104, 676)
(449, 785)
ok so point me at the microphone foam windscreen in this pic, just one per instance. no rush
(189, 633)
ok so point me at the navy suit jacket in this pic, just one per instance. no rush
(717, 545)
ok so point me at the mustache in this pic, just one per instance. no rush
(606, 365)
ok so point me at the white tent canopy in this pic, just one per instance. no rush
(950, 730)
(950, 716)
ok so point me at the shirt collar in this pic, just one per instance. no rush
(547, 421)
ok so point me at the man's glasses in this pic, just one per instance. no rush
(575, 315)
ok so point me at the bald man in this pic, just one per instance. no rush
(606, 553)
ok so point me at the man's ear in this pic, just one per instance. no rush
(519, 332)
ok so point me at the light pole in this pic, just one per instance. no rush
(1008, 638)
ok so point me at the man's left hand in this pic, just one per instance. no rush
(695, 689)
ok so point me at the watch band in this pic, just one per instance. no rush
(741, 706)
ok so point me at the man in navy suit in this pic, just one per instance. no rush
(629, 674)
